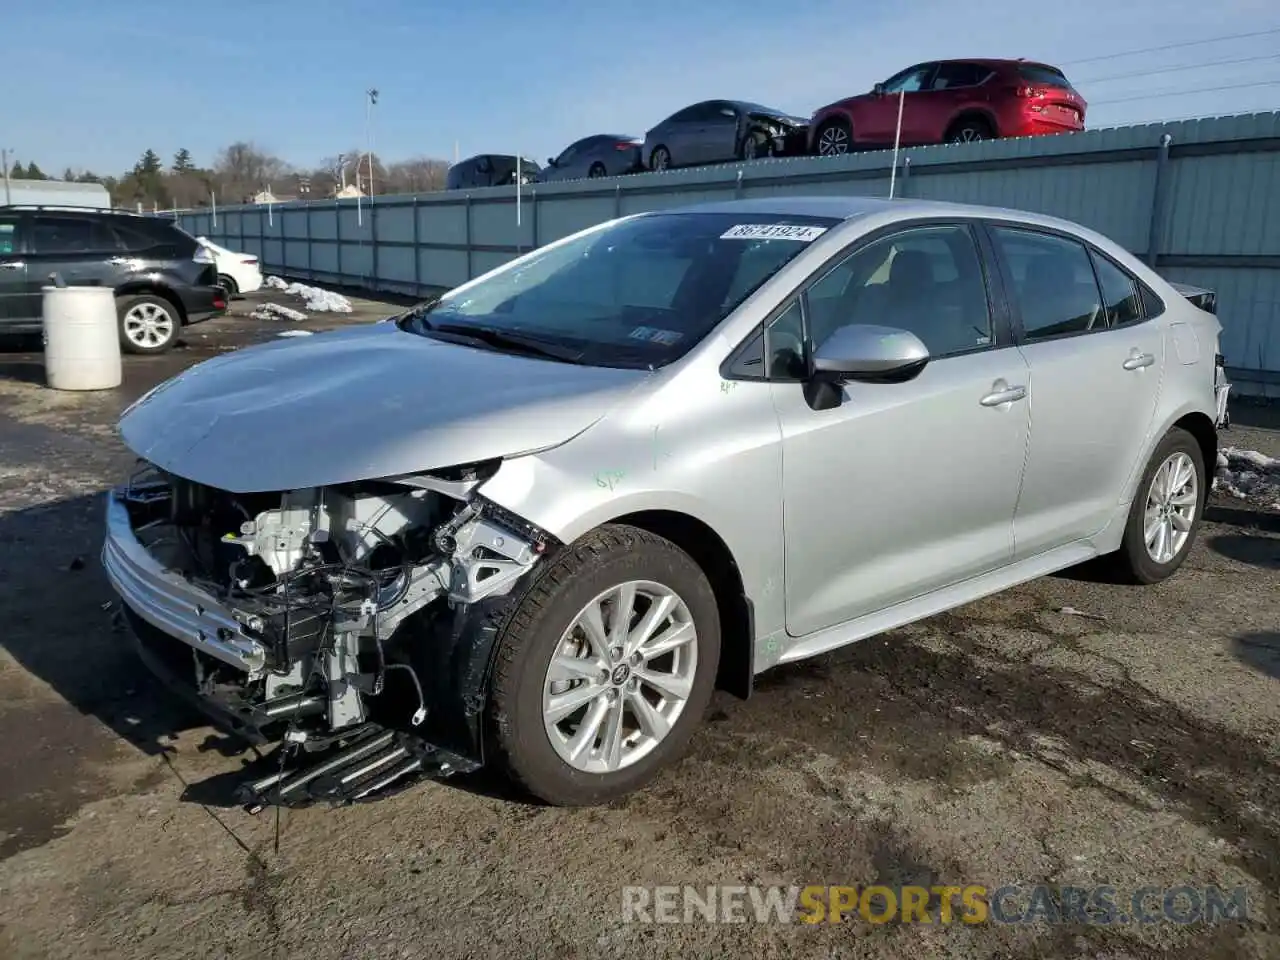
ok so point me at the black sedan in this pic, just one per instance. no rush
(717, 131)
(600, 155)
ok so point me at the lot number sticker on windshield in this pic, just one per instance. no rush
(773, 231)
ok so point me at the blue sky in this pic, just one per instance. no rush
(91, 84)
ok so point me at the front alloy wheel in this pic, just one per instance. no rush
(614, 691)
(833, 141)
(604, 667)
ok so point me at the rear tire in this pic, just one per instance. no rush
(1166, 511)
(970, 130)
(660, 159)
(547, 663)
(228, 284)
(597, 170)
(148, 323)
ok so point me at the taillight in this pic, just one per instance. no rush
(250, 261)
(625, 146)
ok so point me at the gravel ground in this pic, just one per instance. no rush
(1006, 742)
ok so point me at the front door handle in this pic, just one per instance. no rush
(1003, 394)
(1137, 360)
(13, 265)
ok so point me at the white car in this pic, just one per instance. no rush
(237, 272)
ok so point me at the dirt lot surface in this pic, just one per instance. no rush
(1007, 742)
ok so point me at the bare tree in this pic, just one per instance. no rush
(418, 175)
(243, 169)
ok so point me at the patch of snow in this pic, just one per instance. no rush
(317, 300)
(294, 333)
(1248, 475)
(274, 311)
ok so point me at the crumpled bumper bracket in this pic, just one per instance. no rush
(372, 763)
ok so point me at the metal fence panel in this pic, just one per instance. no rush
(1205, 193)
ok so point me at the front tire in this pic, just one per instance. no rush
(587, 705)
(148, 323)
(1165, 515)
(755, 145)
(833, 139)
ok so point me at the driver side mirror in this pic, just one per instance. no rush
(878, 90)
(871, 354)
(864, 353)
(551, 161)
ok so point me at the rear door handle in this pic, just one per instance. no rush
(1137, 361)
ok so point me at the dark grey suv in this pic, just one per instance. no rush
(162, 277)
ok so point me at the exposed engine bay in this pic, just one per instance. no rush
(356, 621)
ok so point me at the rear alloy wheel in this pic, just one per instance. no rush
(834, 139)
(148, 324)
(605, 668)
(597, 170)
(228, 284)
(1165, 515)
(660, 159)
(970, 131)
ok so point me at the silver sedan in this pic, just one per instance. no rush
(537, 521)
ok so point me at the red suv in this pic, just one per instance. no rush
(951, 101)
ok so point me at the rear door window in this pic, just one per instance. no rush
(1053, 283)
(69, 236)
(953, 75)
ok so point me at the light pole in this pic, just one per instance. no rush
(372, 94)
(4, 159)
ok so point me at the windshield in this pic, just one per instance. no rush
(637, 293)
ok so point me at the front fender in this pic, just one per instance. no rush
(568, 505)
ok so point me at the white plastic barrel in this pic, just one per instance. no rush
(81, 338)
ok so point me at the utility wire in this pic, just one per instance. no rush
(1173, 46)
(1185, 92)
(1189, 66)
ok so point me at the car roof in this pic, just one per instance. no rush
(852, 208)
(995, 62)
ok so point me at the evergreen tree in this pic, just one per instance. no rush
(149, 165)
(34, 172)
(17, 171)
(182, 161)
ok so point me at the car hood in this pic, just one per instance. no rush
(778, 116)
(363, 403)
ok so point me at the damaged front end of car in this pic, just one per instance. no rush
(354, 624)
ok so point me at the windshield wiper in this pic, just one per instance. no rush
(493, 337)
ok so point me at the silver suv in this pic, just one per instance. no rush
(537, 520)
